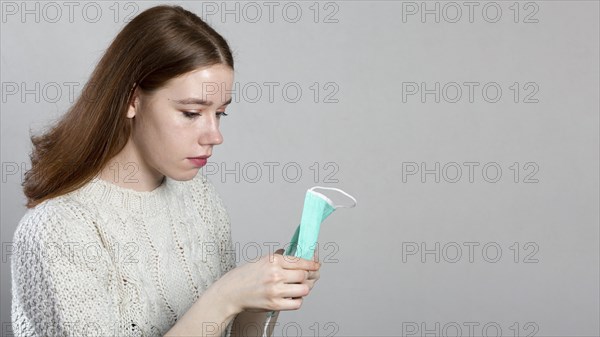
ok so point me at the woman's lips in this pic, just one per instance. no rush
(199, 161)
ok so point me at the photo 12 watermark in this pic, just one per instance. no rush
(470, 92)
(470, 252)
(289, 12)
(427, 12)
(470, 329)
(470, 172)
(271, 172)
(251, 252)
(88, 253)
(68, 11)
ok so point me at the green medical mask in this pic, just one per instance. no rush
(317, 207)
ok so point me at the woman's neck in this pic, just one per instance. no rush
(128, 169)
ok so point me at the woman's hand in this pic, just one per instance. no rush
(273, 283)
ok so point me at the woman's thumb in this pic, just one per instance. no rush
(279, 251)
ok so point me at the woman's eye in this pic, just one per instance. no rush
(190, 114)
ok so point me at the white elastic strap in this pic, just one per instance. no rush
(329, 200)
(267, 324)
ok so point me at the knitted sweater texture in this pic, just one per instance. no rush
(105, 260)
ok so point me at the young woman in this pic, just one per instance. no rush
(123, 236)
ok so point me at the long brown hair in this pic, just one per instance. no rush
(159, 44)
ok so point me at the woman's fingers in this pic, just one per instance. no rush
(290, 303)
(292, 262)
(313, 275)
(293, 291)
(296, 276)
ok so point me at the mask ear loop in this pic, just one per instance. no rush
(329, 200)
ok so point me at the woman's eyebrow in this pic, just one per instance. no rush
(197, 101)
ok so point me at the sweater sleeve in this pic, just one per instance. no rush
(223, 229)
(222, 225)
(62, 277)
(213, 211)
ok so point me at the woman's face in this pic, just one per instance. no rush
(180, 121)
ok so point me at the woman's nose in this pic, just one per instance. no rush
(211, 134)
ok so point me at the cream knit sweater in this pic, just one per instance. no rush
(111, 261)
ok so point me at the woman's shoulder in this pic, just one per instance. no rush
(60, 218)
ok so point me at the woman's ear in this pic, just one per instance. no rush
(134, 102)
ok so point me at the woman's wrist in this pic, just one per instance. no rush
(219, 298)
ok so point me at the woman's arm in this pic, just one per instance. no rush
(273, 283)
(208, 316)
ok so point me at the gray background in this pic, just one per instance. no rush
(364, 136)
